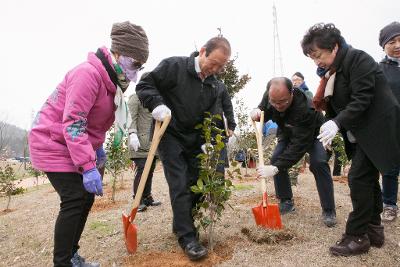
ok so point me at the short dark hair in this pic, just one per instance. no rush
(321, 35)
(288, 83)
(298, 74)
(218, 42)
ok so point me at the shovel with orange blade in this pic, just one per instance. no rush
(266, 215)
(130, 229)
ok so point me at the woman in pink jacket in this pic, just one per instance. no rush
(68, 132)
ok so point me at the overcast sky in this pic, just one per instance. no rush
(42, 40)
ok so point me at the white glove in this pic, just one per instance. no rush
(327, 131)
(255, 114)
(267, 171)
(204, 147)
(134, 141)
(160, 112)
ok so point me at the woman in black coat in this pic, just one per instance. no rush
(359, 104)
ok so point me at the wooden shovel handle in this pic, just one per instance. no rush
(259, 134)
(159, 130)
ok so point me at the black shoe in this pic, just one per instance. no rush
(351, 245)
(376, 235)
(286, 206)
(142, 207)
(195, 251)
(149, 201)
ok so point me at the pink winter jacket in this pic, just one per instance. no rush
(74, 120)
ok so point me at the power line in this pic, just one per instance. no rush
(277, 44)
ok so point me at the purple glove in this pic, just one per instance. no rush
(101, 157)
(92, 182)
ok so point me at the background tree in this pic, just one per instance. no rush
(7, 183)
(35, 173)
(230, 77)
(245, 137)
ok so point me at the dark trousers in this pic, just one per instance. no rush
(365, 194)
(75, 205)
(390, 187)
(223, 160)
(181, 171)
(318, 166)
(140, 162)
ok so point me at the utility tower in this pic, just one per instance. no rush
(277, 45)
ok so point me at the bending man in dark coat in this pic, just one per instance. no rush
(298, 127)
(185, 87)
(358, 102)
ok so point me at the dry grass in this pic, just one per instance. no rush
(26, 233)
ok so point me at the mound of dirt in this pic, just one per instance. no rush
(262, 235)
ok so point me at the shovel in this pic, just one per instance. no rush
(266, 215)
(130, 229)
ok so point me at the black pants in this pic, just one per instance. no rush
(181, 171)
(365, 193)
(140, 162)
(75, 205)
(318, 166)
(224, 162)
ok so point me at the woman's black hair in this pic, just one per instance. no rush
(323, 36)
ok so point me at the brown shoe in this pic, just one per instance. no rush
(351, 245)
(376, 235)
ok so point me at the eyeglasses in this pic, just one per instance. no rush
(279, 103)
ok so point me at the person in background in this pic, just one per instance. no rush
(298, 127)
(139, 146)
(185, 87)
(67, 134)
(358, 102)
(298, 82)
(389, 40)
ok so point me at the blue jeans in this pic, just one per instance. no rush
(390, 187)
(318, 166)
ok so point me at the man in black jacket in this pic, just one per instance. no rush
(389, 40)
(358, 101)
(298, 127)
(185, 87)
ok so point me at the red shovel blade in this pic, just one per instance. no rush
(268, 216)
(130, 231)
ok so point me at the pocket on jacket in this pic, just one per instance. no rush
(144, 140)
(56, 133)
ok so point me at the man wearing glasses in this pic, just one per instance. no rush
(298, 128)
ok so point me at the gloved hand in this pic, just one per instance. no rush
(267, 171)
(204, 147)
(101, 157)
(134, 141)
(327, 131)
(255, 114)
(160, 112)
(92, 182)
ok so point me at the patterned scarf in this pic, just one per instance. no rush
(327, 83)
(325, 89)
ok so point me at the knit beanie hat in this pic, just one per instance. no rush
(388, 32)
(130, 40)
